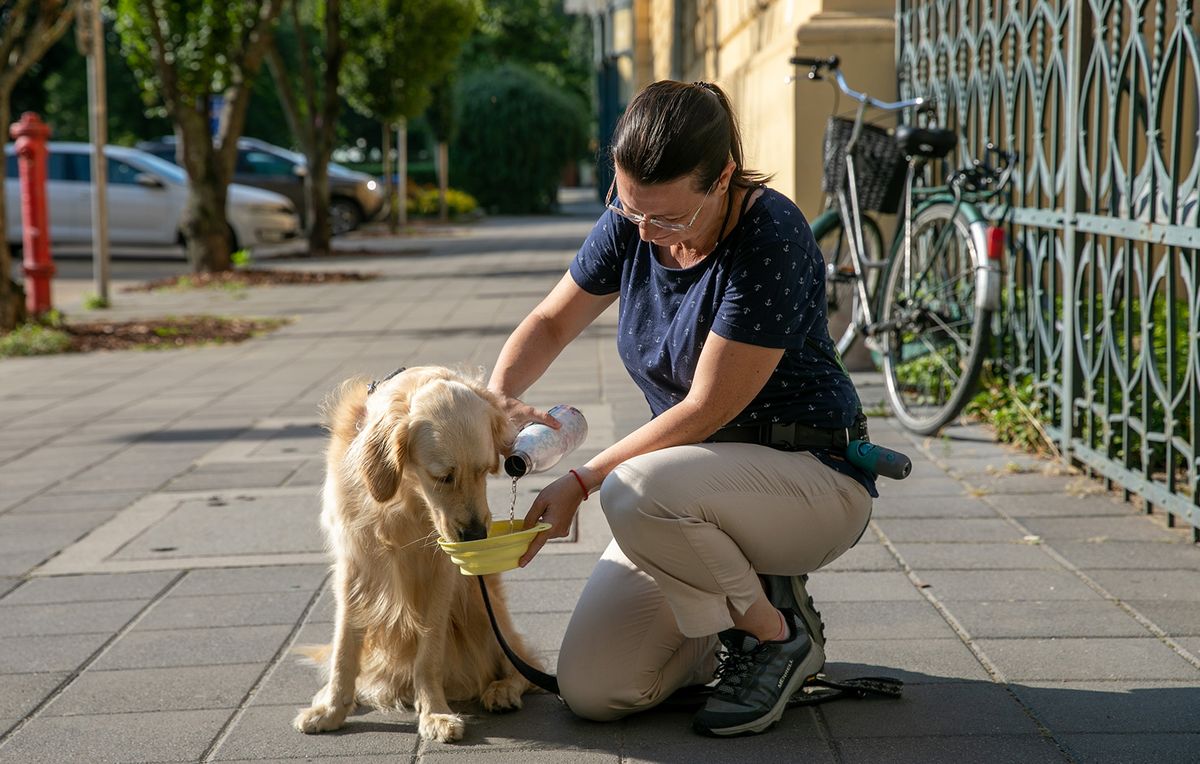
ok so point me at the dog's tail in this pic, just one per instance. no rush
(317, 655)
(344, 409)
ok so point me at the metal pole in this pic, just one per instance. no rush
(402, 168)
(98, 99)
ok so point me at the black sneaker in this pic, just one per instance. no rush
(789, 593)
(756, 679)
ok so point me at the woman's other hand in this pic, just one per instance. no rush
(557, 504)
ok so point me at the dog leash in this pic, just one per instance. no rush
(541, 679)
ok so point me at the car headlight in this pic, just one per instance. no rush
(372, 185)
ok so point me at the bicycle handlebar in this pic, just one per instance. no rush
(833, 64)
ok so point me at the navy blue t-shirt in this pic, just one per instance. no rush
(763, 285)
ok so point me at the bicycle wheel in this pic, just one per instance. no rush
(933, 338)
(841, 282)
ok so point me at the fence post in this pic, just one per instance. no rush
(1070, 207)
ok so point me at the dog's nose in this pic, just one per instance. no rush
(474, 532)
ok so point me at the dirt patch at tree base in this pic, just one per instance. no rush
(171, 332)
(248, 277)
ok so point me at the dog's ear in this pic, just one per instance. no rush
(385, 450)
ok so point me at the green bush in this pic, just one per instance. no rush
(516, 132)
(34, 339)
(425, 202)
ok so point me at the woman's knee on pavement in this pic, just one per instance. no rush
(598, 696)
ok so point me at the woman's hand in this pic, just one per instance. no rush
(556, 504)
(521, 413)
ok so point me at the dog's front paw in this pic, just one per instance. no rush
(503, 695)
(445, 728)
(320, 718)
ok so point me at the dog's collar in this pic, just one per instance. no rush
(377, 382)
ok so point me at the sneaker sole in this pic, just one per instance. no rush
(810, 667)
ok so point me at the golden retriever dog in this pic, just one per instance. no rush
(408, 461)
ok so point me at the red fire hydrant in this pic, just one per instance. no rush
(30, 135)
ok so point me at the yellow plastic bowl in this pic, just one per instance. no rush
(500, 551)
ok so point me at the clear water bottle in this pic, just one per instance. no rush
(539, 447)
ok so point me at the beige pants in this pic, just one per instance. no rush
(693, 526)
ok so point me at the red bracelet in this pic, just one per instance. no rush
(582, 486)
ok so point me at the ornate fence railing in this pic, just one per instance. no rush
(1099, 98)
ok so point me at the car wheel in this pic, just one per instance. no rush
(344, 216)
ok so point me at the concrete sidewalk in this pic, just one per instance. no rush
(159, 554)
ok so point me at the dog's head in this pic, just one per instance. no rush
(441, 432)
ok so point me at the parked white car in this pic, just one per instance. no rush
(147, 198)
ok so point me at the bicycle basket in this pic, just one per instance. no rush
(878, 162)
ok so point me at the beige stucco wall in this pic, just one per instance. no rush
(744, 46)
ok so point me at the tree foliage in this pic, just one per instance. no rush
(400, 50)
(183, 53)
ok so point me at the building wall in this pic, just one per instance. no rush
(744, 46)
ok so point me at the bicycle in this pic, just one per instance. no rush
(928, 319)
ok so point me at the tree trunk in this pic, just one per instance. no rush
(316, 187)
(12, 297)
(402, 169)
(206, 229)
(443, 179)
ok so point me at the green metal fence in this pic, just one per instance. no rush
(1103, 299)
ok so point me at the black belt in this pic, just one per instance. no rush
(791, 436)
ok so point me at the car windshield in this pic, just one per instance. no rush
(158, 166)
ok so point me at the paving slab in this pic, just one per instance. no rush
(978, 749)
(864, 557)
(267, 732)
(23, 692)
(252, 580)
(178, 612)
(1076, 659)
(883, 620)
(1175, 617)
(943, 709)
(1133, 555)
(64, 652)
(184, 688)
(914, 661)
(224, 476)
(1179, 585)
(666, 736)
(1097, 529)
(70, 618)
(968, 529)
(91, 501)
(906, 506)
(194, 647)
(1147, 748)
(1055, 505)
(979, 556)
(854, 586)
(1045, 618)
(1109, 707)
(165, 736)
(1010, 585)
(89, 588)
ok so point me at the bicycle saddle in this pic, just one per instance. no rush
(933, 142)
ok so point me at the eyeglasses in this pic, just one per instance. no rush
(639, 218)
